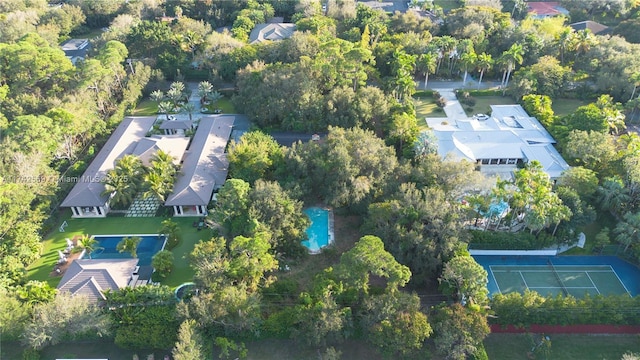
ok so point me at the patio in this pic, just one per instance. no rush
(143, 207)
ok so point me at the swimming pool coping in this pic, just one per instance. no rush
(330, 229)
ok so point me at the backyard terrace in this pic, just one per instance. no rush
(42, 268)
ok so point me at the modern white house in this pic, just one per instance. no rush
(204, 169)
(499, 143)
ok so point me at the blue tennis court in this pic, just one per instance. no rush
(567, 275)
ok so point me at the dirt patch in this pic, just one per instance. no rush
(59, 269)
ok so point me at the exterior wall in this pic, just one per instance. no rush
(89, 211)
(191, 210)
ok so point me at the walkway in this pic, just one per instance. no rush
(143, 207)
(453, 109)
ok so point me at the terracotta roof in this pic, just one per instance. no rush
(546, 9)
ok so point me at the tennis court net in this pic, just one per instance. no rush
(553, 270)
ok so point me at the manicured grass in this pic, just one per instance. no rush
(447, 4)
(563, 346)
(426, 107)
(563, 107)
(146, 108)
(483, 103)
(55, 241)
(224, 104)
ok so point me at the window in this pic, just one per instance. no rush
(485, 161)
(494, 161)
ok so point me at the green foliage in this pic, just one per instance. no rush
(172, 231)
(66, 318)
(539, 106)
(500, 240)
(163, 262)
(31, 354)
(458, 331)
(467, 278)
(14, 315)
(36, 292)
(254, 157)
(530, 308)
(229, 347)
(190, 345)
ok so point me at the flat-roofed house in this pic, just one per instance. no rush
(91, 278)
(499, 143)
(204, 169)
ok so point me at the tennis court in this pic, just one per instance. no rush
(565, 275)
(563, 279)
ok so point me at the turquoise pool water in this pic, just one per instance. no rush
(318, 231)
(148, 246)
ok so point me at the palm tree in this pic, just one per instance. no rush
(121, 183)
(512, 57)
(582, 42)
(87, 243)
(635, 78)
(468, 61)
(175, 96)
(484, 63)
(612, 195)
(165, 108)
(427, 65)
(189, 108)
(130, 245)
(157, 185)
(564, 39)
(204, 90)
(628, 231)
(157, 96)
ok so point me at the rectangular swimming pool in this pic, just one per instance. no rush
(148, 246)
(319, 232)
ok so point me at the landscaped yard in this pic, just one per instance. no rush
(483, 103)
(563, 346)
(146, 108)
(566, 106)
(42, 268)
(426, 107)
(223, 104)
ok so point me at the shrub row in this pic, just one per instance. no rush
(499, 240)
(523, 310)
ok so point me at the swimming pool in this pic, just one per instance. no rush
(148, 246)
(320, 232)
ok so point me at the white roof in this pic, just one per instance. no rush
(510, 133)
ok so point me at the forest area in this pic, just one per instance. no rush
(402, 282)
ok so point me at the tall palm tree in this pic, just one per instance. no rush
(157, 185)
(468, 61)
(427, 65)
(188, 108)
(485, 61)
(512, 57)
(165, 108)
(130, 245)
(87, 243)
(612, 195)
(635, 79)
(564, 39)
(175, 96)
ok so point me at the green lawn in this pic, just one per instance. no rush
(224, 104)
(41, 269)
(426, 107)
(566, 106)
(563, 346)
(483, 103)
(447, 4)
(146, 108)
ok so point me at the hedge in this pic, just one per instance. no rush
(524, 310)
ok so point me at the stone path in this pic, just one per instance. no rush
(143, 207)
